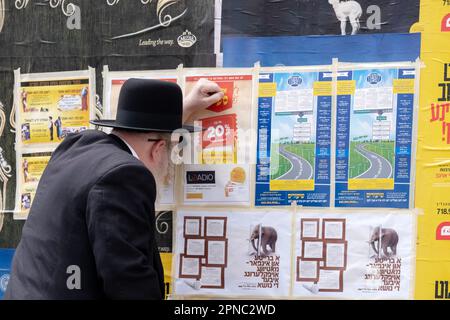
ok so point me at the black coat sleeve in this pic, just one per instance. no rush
(120, 221)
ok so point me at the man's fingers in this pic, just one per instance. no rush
(214, 98)
(210, 87)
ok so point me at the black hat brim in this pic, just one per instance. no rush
(114, 124)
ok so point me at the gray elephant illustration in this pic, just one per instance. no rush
(385, 238)
(269, 238)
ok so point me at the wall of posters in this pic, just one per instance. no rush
(232, 253)
(355, 254)
(363, 150)
(294, 137)
(220, 170)
(375, 149)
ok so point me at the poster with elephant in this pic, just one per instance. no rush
(355, 254)
(233, 253)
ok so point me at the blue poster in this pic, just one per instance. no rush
(6, 256)
(294, 139)
(374, 134)
(319, 50)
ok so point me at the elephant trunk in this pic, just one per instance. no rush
(372, 242)
(253, 244)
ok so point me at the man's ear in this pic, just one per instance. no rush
(157, 149)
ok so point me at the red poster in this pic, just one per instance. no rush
(227, 101)
(219, 131)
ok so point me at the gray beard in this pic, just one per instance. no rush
(164, 182)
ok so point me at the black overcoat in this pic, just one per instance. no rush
(93, 216)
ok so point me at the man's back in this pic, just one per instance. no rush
(93, 216)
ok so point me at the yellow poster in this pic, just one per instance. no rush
(166, 259)
(49, 110)
(433, 155)
(30, 168)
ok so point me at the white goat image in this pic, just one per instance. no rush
(347, 9)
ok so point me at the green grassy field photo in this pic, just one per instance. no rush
(358, 164)
(305, 150)
(280, 165)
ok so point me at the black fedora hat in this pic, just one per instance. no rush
(148, 105)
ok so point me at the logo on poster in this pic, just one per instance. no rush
(201, 177)
(443, 231)
(374, 78)
(295, 81)
(445, 27)
(187, 39)
(4, 279)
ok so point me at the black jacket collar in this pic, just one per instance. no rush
(120, 143)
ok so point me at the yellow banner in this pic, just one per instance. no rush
(267, 90)
(371, 184)
(346, 87)
(287, 185)
(323, 88)
(403, 86)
